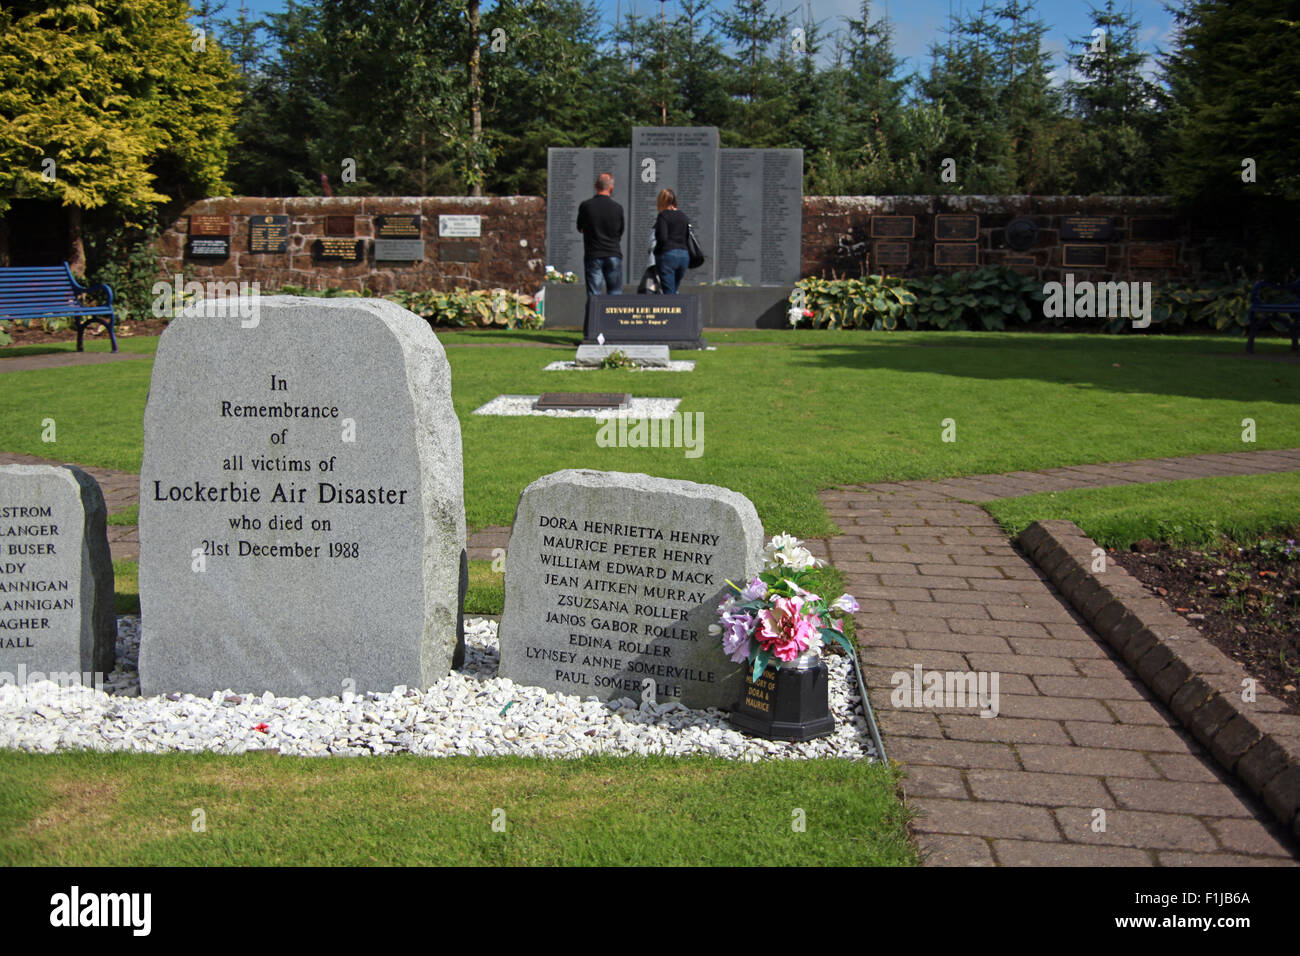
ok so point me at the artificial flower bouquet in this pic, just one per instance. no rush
(774, 618)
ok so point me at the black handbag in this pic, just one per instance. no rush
(693, 249)
(649, 282)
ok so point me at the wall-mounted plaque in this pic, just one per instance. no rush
(1151, 227)
(955, 228)
(893, 227)
(1083, 256)
(461, 227)
(397, 227)
(1021, 234)
(891, 254)
(956, 254)
(399, 250)
(1024, 264)
(208, 247)
(268, 233)
(1164, 256)
(1087, 228)
(337, 249)
(340, 225)
(209, 225)
(458, 251)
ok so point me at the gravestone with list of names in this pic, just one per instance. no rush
(613, 579)
(302, 525)
(56, 576)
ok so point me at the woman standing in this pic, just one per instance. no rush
(671, 252)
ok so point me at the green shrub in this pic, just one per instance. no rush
(988, 298)
(463, 307)
(985, 298)
(126, 260)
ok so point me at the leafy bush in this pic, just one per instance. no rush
(989, 297)
(5, 337)
(983, 298)
(126, 260)
(464, 307)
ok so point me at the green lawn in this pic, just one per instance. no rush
(787, 413)
(84, 809)
(1194, 512)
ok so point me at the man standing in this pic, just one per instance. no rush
(600, 220)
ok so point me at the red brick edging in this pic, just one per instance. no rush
(1255, 740)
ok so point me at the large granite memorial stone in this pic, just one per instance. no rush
(613, 579)
(302, 525)
(56, 576)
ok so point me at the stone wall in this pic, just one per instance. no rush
(511, 252)
(837, 237)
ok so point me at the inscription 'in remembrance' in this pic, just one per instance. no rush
(290, 495)
(624, 593)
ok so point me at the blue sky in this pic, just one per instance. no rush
(917, 23)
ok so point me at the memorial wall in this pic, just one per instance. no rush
(273, 241)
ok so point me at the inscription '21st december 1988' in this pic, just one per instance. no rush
(314, 483)
(625, 593)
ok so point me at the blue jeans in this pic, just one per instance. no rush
(671, 266)
(606, 272)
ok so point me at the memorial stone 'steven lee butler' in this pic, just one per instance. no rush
(56, 575)
(302, 522)
(612, 579)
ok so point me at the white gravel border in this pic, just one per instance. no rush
(523, 405)
(471, 712)
(673, 365)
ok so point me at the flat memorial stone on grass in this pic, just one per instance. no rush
(612, 401)
(646, 355)
(56, 576)
(302, 521)
(614, 578)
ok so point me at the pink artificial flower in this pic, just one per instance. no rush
(784, 631)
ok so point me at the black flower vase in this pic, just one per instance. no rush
(790, 702)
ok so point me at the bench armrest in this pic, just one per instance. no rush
(88, 289)
(1258, 287)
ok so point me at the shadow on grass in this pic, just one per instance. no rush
(1191, 367)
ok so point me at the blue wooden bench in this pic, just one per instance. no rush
(46, 292)
(1266, 309)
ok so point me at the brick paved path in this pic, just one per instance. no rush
(941, 586)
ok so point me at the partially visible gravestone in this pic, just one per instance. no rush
(614, 578)
(655, 356)
(56, 575)
(302, 522)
